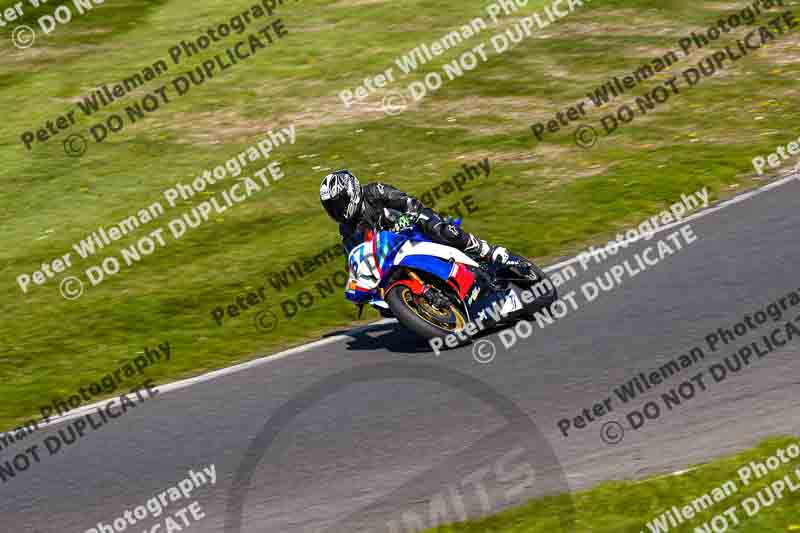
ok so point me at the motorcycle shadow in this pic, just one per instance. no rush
(390, 336)
(393, 337)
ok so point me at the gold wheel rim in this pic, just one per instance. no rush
(452, 311)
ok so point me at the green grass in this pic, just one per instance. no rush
(542, 200)
(628, 506)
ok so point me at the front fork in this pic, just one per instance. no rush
(432, 294)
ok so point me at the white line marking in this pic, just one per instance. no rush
(700, 214)
(671, 474)
(177, 385)
(169, 387)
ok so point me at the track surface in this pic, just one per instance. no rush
(358, 445)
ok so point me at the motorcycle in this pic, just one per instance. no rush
(435, 290)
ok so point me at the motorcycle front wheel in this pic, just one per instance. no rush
(416, 313)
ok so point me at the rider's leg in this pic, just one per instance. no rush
(443, 232)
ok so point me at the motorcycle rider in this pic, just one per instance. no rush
(356, 208)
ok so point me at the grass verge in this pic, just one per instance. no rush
(714, 492)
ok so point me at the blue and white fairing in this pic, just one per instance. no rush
(372, 262)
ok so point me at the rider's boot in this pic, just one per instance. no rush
(498, 255)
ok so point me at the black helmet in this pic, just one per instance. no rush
(340, 194)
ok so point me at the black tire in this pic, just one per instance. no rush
(552, 296)
(545, 300)
(400, 300)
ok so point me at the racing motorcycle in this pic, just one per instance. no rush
(435, 290)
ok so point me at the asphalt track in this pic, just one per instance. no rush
(350, 451)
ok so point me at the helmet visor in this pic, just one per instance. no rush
(336, 210)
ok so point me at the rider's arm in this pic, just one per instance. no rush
(352, 236)
(397, 199)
